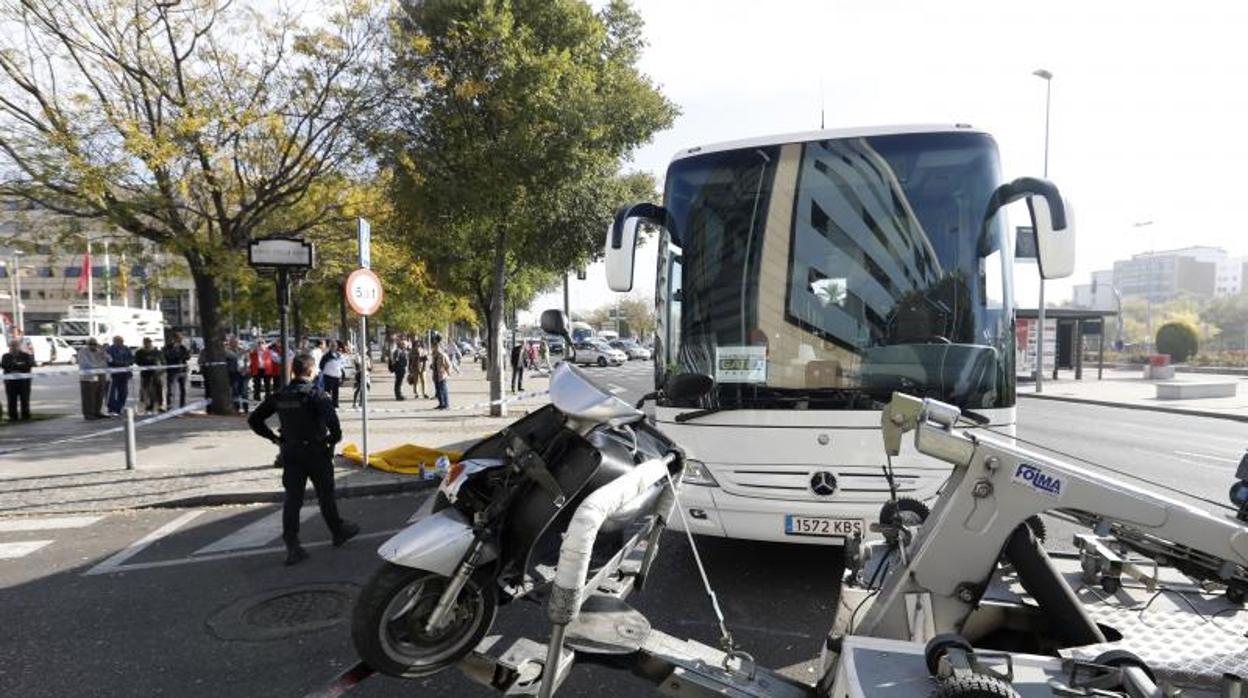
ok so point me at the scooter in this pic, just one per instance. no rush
(493, 533)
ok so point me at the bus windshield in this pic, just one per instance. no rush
(827, 274)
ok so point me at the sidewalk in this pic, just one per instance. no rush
(203, 460)
(1125, 388)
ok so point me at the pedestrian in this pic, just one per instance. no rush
(276, 366)
(17, 361)
(398, 366)
(258, 366)
(441, 370)
(151, 387)
(119, 356)
(176, 358)
(455, 355)
(318, 351)
(309, 430)
(235, 357)
(531, 349)
(419, 359)
(331, 372)
(92, 362)
(517, 367)
(362, 376)
(543, 353)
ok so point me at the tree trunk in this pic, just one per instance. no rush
(497, 314)
(342, 311)
(212, 326)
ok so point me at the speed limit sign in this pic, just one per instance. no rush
(364, 291)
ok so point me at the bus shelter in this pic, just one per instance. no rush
(1066, 330)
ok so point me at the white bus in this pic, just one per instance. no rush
(133, 324)
(810, 276)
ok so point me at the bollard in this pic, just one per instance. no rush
(130, 449)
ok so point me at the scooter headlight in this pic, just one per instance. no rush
(696, 473)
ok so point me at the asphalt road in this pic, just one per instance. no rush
(169, 601)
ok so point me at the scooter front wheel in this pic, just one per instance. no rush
(388, 626)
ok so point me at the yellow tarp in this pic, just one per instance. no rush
(408, 459)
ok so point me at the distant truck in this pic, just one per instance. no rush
(132, 324)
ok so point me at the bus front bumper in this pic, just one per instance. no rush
(710, 511)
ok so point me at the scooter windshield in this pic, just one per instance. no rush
(577, 396)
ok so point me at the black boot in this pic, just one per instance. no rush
(346, 532)
(295, 554)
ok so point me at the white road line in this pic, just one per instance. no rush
(45, 524)
(272, 550)
(1220, 459)
(254, 534)
(112, 563)
(9, 551)
(615, 388)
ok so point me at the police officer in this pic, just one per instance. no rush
(309, 431)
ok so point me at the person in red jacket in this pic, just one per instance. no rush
(260, 367)
(277, 363)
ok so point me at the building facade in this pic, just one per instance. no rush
(39, 280)
(1098, 295)
(1166, 275)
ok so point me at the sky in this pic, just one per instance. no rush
(1148, 109)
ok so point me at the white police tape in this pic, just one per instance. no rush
(473, 406)
(101, 371)
(190, 407)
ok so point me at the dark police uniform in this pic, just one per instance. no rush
(310, 429)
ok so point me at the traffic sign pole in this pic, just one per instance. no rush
(364, 386)
(364, 234)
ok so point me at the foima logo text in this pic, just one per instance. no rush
(1035, 478)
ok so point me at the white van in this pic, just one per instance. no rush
(48, 349)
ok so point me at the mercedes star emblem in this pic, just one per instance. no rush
(823, 483)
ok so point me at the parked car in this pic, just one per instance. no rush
(48, 349)
(632, 349)
(596, 351)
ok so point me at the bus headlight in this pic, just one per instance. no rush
(696, 473)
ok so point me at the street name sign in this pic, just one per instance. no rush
(365, 234)
(364, 291)
(275, 253)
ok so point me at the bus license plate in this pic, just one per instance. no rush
(821, 526)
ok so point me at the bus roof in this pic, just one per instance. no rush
(824, 134)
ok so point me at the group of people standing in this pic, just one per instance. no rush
(162, 372)
(409, 360)
(264, 364)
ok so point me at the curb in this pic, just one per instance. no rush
(1145, 408)
(275, 496)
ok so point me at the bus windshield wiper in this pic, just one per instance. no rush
(694, 414)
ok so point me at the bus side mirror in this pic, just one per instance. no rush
(1055, 246)
(1051, 217)
(621, 246)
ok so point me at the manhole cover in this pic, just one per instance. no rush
(284, 612)
(297, 608)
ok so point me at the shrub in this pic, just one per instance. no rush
(1179, 340)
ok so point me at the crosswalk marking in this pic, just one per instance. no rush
(254, 534)
(9, 551)
(44, 524)
(137, 547)
(271, 550)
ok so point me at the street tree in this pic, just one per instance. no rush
(1229, 315)
(507, 156)
(191, 124)
(638, 312)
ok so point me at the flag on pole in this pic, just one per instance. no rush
(84, 278)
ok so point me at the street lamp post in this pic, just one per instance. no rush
(17, 292)
(1048, 93)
